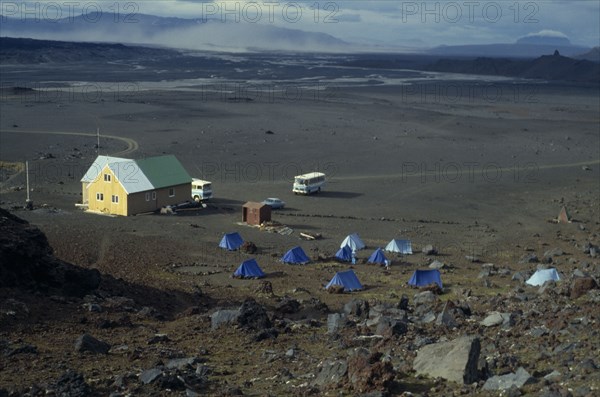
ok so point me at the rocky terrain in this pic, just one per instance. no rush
(474, 172)
(114, 337)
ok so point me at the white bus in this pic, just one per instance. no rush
(308, 183)
(201, 190)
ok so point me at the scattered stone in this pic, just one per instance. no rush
(580, 286)
(504, 382)
(496, 318)
(288, 306)
(150, 375)
(221, 317)
(429, 250)
(427, 298)
(520, 276)
(87, 342)
(93, 307)
(182, 363)
(264, 287)
(529, 258)
(253, 316)
(335, 322)
(403, 304)
(158, 338)
(71, 384)
(367, 372)
(331, 372)
(357, 307)
(455, 360)
(473, 258)
(391, 327)
(448, 315)
(437, 265)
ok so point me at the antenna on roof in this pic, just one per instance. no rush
(98, 143)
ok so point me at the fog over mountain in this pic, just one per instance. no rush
(194, 34)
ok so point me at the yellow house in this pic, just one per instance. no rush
(119, 186)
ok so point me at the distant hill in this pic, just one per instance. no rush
(538, 39)
(30, 51)
(592, 55)
(548, 67)
(514, 50)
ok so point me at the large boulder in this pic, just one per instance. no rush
(88, 343)
(253, 316)
(27, 262)
(455, 360)
(222, 317)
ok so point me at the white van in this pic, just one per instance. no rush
(201, 190)
(308, 183)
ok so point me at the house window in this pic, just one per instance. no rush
(147, 196)
(115, 199)
(153, 195)
(106, 177)
(171, 192)
(100, 196)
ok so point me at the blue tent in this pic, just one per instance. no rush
(344, 254)
(295, 256)
(377, 257)
(346, 279)
(421, 278)
(231, 241)
(400, 246)
(249, 269)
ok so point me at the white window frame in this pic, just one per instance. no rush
(171, 192)
(107, 178)
(99, 196)
(147, 196)
(115, 199)
(153, 195)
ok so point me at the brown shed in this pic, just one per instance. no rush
(255, 213)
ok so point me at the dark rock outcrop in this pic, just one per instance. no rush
(26, 262)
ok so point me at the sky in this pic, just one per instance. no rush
(405, 23)
(394, 23)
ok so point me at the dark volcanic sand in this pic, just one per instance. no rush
(469, 173)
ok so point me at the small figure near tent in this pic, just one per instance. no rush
(353, 256)
(346, 279)
(249, 269)
(231, 241)
(387, 264)
(295, 256)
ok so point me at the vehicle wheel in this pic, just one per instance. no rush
(197, 199)
(319, 190)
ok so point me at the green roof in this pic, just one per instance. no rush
(163, 171)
